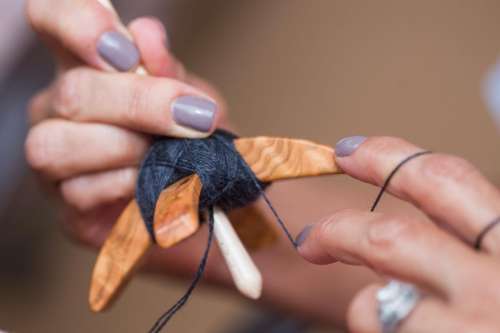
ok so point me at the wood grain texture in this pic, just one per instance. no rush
(120, 255)
(176, 213)
(281, 158)
(252, 226)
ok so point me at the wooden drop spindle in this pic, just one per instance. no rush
(269, 158)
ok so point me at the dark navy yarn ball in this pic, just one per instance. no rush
(228, 181)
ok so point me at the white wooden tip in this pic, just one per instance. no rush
(245, 274)
(107, 4)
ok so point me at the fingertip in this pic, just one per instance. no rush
(152, 40)
(347, 146)
(151, 25)
(302, 243)
(308, 246)
(302, 236)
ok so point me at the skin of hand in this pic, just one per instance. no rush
(462, 291)
(91, 128)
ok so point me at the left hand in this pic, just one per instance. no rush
(462, 286)
(92, 126)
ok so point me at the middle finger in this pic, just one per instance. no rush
(152, 105)
(408, 249)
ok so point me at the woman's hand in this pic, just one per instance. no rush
(463, 290)
(92, 126)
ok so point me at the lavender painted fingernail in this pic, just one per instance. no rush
(303, 235)
(118, 51)
(194, 112)
(347, 146)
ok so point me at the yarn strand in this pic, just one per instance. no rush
(258, 185)
(163, 320)
(228, 182)
(392, 174)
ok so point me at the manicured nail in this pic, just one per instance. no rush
(118, 51)
(303, 235)
(194, 112)
(347, 146)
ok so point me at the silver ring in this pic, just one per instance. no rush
(396, 300)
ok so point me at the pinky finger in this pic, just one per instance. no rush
(91, 228)
(89, 191)
(429, 315)
(39, 106)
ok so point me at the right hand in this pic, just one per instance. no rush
(462, 291)
(91, 127)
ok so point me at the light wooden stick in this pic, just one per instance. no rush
(245, 274)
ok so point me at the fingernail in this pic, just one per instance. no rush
(303, 235)
(118, 51)
(347, 146)
(194, 112)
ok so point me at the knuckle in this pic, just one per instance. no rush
(385, 145)
(35, 107)
(446, 168)
(90, 14)
(35, 147)
(175, 88)
(138, 103)
(146, 95)
(386, 234)
(330, 226)
(42, 146)
(67, 93)
(71, 194)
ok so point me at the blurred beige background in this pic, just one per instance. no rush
(315, 69)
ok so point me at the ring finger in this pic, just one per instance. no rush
(60, 149)
(90, 191)
(429, 315)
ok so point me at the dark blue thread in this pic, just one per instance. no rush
(228, 182)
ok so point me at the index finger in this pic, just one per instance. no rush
(447, 188)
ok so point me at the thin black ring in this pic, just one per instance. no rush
(484, 232)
